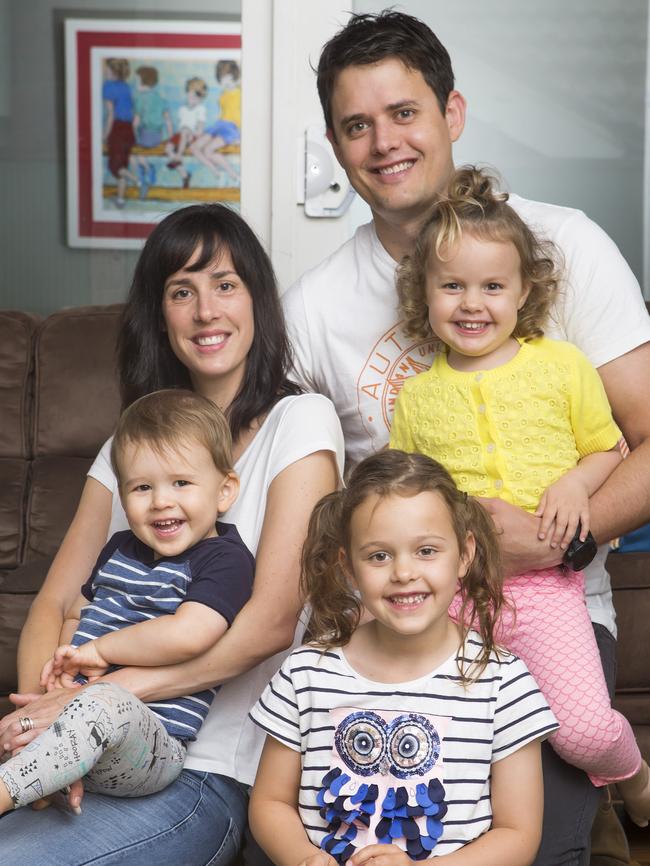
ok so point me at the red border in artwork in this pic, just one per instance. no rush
(85, 41)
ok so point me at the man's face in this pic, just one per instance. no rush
(392, 139)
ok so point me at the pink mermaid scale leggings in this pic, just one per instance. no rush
(552, 633)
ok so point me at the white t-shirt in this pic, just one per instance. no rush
(228, 742)
(189, 117)
(401, 735)
(348, 341)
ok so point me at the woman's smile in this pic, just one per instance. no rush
(209, 320)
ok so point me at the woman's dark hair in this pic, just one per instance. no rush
(371, 38)
(146, 361)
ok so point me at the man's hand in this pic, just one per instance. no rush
(518, 535)
(563, 505)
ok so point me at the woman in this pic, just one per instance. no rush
(203, 312)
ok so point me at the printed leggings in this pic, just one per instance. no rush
(546, 624)
(105, 735)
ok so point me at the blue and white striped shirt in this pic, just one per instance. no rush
(305, 703)
(128, 586)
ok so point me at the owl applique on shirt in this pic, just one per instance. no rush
(384, 785)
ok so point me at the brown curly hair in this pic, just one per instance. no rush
(336, 607)
(473, 205)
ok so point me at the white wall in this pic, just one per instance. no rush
(556, 94)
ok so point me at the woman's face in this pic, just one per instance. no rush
(209, 321)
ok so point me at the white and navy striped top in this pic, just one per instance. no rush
(315, 695)
(127, 586)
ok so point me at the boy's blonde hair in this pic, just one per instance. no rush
(198, 86)
(473, 205)
(168, 420)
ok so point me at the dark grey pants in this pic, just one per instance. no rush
(570, 800)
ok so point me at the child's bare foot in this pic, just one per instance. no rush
(636, 795)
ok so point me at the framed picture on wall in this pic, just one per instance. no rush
(153, 123)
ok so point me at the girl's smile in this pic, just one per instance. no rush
(406, 562)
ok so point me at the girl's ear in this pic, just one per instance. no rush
(467, 554)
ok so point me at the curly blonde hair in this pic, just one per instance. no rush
(472, 204)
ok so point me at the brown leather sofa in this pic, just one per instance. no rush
(59, 402)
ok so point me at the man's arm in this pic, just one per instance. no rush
(623, 502)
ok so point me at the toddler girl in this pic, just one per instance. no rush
(524, 418)
(159, 594)
(407, 736)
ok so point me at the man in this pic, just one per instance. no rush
(387, 90)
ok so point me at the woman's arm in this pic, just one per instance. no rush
(267, 622)
(73, 563)
(273, 810)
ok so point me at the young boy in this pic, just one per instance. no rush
(160, 594)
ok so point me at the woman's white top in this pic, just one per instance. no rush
(228, 742)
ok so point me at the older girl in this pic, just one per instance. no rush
(406, 737)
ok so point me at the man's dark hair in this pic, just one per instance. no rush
(371, 38)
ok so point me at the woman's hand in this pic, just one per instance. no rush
(41, 710)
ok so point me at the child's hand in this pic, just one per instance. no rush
(320, 859)
(69, 661)
(562, 506)
(48, 680)
(381, 855)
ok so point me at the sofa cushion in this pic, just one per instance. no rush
(14, 479)
(16, 340)
(630, 573)
(76, 397)
(55, 488)
(17, 590)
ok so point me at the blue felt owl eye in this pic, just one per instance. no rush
(360, 740)
(413, 746)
